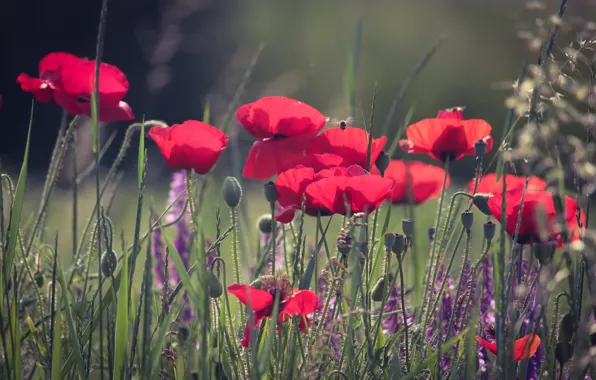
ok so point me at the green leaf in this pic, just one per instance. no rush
(121, 340)
(17, 208)
(57, 345)
(14, 343)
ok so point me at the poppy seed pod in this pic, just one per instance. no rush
(38, 277)
(399, 245)
(489, 230)
(382, 162)
(563, 352)
(215, 288)
(232, 192)
(108, 263)
(481, 203)
(407, 225)
(389, 239)
(467, 219)
(480, 148)
(265, 224)
(431, 234)
(271, 193)
(566, 328)
(544, 252)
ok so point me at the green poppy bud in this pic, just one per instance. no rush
(407, 225)
(265, 224)
(544, 252)
(481, 202)
(563, 352)
(232, 192)
(271, 193)
(108, 263)
(566, 328)
(480, 148)
(489, 230)
(382, 162)
(467, 220)
(389, 239)
(379, 290)
(38, 277)
(215, 288)
(399, 245)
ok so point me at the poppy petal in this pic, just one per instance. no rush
(121, 112)
(286, 215)
(269, 157)
(317, 161)
(350, 143)
(280, 116)
(491, 346)
(291, 185)
(524, 348)
(489, 184)
(39, 88)
(303, 302)
(258, 299)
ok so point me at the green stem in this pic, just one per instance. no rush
(273, 233)
(403, 308)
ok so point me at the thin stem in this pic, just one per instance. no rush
(273, 233)
(403, 308)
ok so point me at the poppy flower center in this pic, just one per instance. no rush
(278, 137)
(274, 286)
(447, 156)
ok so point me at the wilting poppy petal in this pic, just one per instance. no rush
(349, 143)
(446, 138)
(270, 157)
(425, 181)
(259, 299)
(247, 336)
(524, 348)
(273, 116)
(190, 145)
(363, 193)
(303, 302)
(489, 184)
(491, 346)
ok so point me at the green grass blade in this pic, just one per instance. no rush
(17, 208)
(14, 349)
(121, 339)
(70, 321)
(57, 345)
(141, 160)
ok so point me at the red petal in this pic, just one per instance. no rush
(524, 348)
(270, 157)
(50, 66)
(121, 112)
(317, 161)
(291, 185)
(451, 113)
(488, 183)
(350, 143)
(573, 227)
(40, 89)
(491, 346)
(286, 215)
(425, 181)
(78, 80)
(277, 115)
(190, 145)
(257, 298)
(303, 302)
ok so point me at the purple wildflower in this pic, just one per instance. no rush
(487, 299)
(535, 364)
(158, 250)
(394, 320)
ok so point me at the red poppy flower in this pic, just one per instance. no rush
(293, 184)
(285, 127)
(349, 143)
(489, 184)
(261, 301)
(69, 81)
(318, 162)
(523, 348)
(426, 181)
(447, 137)
(538, 218)
(190, 145)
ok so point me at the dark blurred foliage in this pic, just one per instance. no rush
(170, 50)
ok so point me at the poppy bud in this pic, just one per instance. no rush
(220, 374)
(544, 252)
(431, 234)
(563, 352)
(389, 239)
(271, 193)
(265, 223)
(481, 202)
(399, 245)
(467, 220)
(407, 225)
(194, 376)
(215, 288)
(256, 283)
(232, 192)
(566, 328)
(183, 333)
(480, 148)
(489, 230)
(380, 288)
(108, 263)
(382, 162)
(38, 277)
